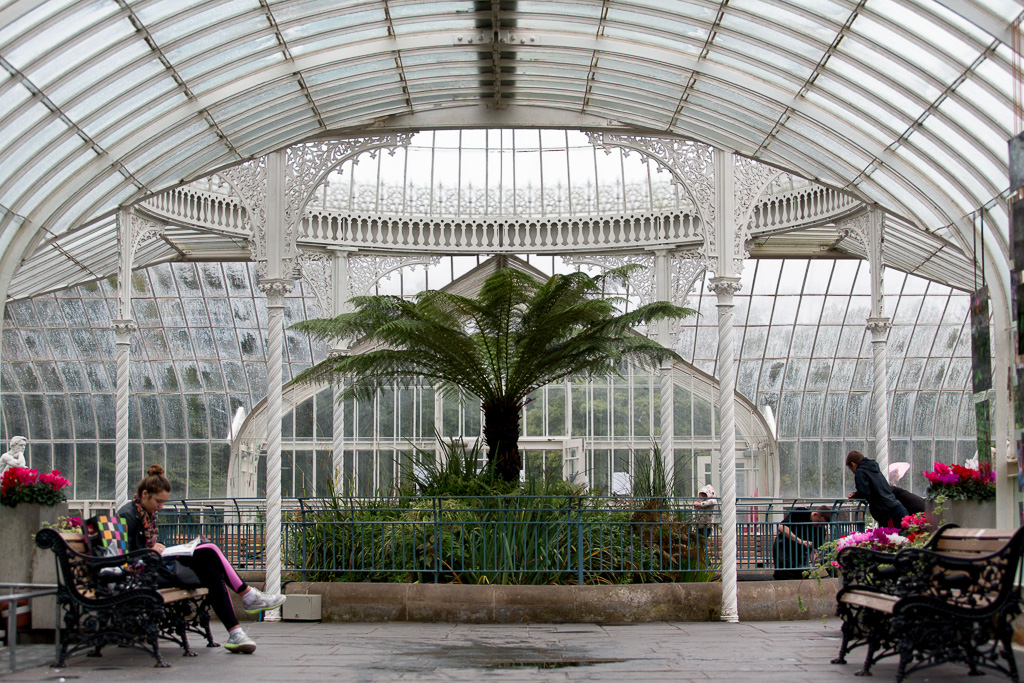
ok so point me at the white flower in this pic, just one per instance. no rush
(896, 539)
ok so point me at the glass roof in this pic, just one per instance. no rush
(907, 103)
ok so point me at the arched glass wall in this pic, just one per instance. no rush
(802, 348)
(200, 353)
(608, 423)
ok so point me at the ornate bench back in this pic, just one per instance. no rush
(964, 570)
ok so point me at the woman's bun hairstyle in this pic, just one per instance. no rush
(154, 482)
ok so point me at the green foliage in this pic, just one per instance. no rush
(650, 479)
(458, 474)
(517, 335)
(473, 528)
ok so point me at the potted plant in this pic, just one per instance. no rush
(963, 495)
(24, 485)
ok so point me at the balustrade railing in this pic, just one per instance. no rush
(523, 539)
(193, 207)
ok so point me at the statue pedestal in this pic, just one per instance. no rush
(969, 514)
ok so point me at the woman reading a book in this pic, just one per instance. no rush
(206, 560)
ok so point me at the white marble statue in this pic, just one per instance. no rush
(15, 457)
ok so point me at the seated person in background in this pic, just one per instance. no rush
(703, 511)
(913, 502)
(799, 535)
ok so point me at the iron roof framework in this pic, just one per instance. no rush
(907, 103)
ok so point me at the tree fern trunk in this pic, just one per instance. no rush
(501, 431)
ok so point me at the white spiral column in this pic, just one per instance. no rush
(879, 328)
(123, 332)
(338, 437)
(341, 292)
(666, 443)
(724, 289)
(663, 292)
(275, 291)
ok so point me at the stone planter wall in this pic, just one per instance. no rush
(968, 514)
(375, 602)
(21, 561)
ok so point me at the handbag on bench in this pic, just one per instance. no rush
(105, 535)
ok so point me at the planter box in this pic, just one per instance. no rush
(21, 561)
(968, 514)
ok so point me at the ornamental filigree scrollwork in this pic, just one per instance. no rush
(315, 268)
(143, 231)
(751, 179)
(691, 164)
(249, 182)
(641, 280)
(309, 163)
(685, 267)
(364, 270)
(857, 227)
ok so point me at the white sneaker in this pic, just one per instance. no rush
(239, 642)
(258, 601)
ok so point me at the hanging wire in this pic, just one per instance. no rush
(981, 213)
(1018, 76)
(974, 254)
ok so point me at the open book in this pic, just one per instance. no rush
(184, 549)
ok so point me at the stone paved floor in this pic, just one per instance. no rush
(762, 652)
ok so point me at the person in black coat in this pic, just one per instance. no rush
(873, 488)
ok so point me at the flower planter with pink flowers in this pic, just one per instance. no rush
(961, 495)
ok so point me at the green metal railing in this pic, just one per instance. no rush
(501, 539)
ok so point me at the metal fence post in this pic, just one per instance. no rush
(579, 542)
(305, 531)
(437, 538)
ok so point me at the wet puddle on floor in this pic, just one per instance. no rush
(489, 656)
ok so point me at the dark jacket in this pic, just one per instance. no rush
(913, 502)
(136, 529)
(872, 487)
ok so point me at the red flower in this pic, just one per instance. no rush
(24, 485)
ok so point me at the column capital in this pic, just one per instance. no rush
(724, 285)
(878, 326)
(275, 287)
(123, 329)
(339, 352)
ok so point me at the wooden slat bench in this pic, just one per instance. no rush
(114, 600)
(952, 601)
